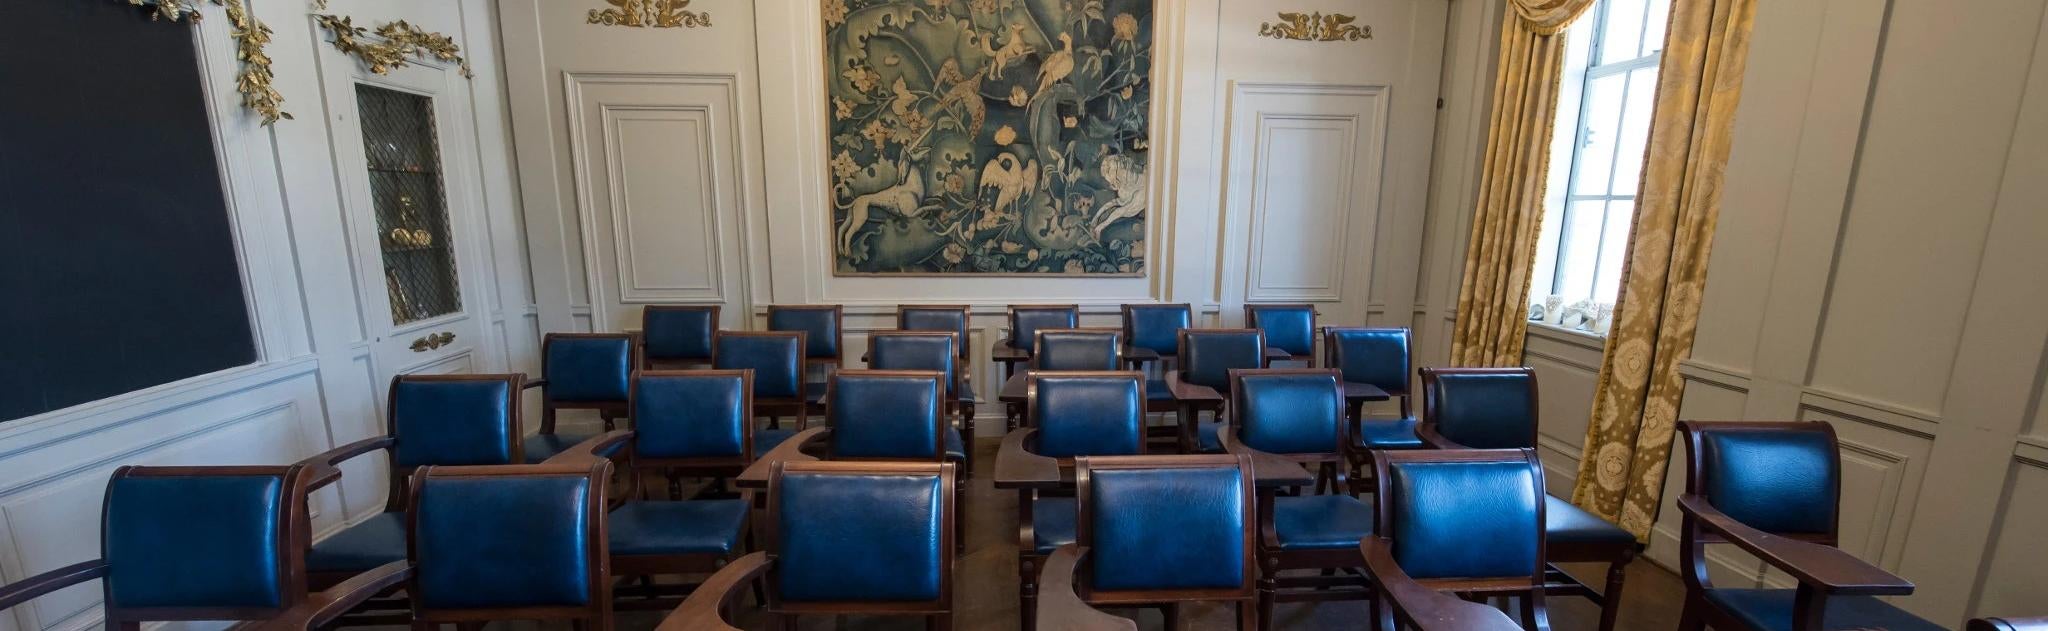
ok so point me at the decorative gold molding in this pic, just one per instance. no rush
(1316, 27)
(401, 42)
(433, 341)
(251, 36)
(650, 13)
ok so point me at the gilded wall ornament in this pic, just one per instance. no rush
(1316, 27)
(650, 14)
(251, 36)
(400, 42)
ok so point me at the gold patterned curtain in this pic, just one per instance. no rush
(1635, 406)
(1493, 300)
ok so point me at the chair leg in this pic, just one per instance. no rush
(774, 421)
(1247, 616)
(1690, 618)
(1610, 599)
(1269, 582)
(416, 626)
(939, 622)
(1172, 612)
(1534, 618)
(1027, 591)
(788, 621)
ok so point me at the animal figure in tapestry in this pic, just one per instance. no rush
(989, 136)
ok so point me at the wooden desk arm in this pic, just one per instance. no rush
(1060, 608)
(537, 383)
(1266, 466)
(1187, 392)
(791, 450)
(1017, 467)
(1826, 568)
(599, 447)
(36, 586)
(323, 469)
(1435, 441)
(704, 609)
(324, 607)
(1425, 608)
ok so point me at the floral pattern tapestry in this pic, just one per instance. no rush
(988, 136)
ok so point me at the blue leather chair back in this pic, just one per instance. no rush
(1165, 527)
(510, 538)
(453, 420)
(678, 333)
(935, 318)
(776, 359)
(196, 541)
(923, 351)
(1773, 480)
(1371, 356)
(587, 368)
(1026, 321)
(1157, 327)
(691, 415)
(860, 536)
(1088, 414)
(1452, 519)
(1290, 328)
(1078, 349)
(1493, 408)
(1208, 355)
(1289, 411)
(886, 415)
(819, 324)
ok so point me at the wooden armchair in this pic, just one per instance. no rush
(1201, 380)
(1495, 408)
(844, 538)
(777, 359)
(1772, 490)
(205, 544)
(1298, 414)
(1159, 531)
(941, 318)
(1290, 330)
(935, 352)
(1072, 414)
(696, 423)
(581, 371)
(1469, 522)
(463, 520)
(675, 337)
(824, 329)
(1020, 347)
(1380, 358)
(1078, 349)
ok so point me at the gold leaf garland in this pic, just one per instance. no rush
(650, 13)
(1316, 27)
(251, 36)
(401, 42)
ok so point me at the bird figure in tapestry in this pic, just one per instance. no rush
(1011, 180)
(1058, 66)
(966, 93)
(1012, 51)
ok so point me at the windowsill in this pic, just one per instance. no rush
(1575, 337)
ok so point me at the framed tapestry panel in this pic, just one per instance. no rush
(988, 136)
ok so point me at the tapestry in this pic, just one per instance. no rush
(988, 136)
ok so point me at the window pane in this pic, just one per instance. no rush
(1621, 36)
(1653, 34)
(1596, 145)
(1635, 129)
(1621, 217)
(1578, 252)
(412, 212)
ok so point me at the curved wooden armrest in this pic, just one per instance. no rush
(1269, 470)
(537, 383)
(1060, 608)
(1018, 468)
(36, 586)
(1425, 608)
(702, 610)
(595, 448)
(1435, 441)
(324, 607)
(791, 450)
(1186, 392)
(323, 469)
(1824, 567)
(2008, 624)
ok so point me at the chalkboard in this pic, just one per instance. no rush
(117, 262)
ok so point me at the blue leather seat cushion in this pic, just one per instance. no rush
(767, 439)
(1388, 434)
(1321, 522)
(366, 545)
(1206, 437)
(1565, 523)
(541, 447)
(1053, 522)
(1771, 610)
(956, 449)
(688, 527)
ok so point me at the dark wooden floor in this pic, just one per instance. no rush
(987, 589)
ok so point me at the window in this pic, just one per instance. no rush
(1607, 95)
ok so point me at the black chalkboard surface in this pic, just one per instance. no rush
(117, 266)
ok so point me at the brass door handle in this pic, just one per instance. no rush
(433, 341)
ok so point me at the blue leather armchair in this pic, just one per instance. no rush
(581, 371)
(1773, 489)
(1290, 328)
(1380, 358)
(1021, 346)
(1072, 414)
(523, 542)
(677, 336)
(1155, 531)
(1155, 328)
(1470, 521)
(1078, 349)
(694, 423)
(942, 318)
(935, 352)
(824, 329)
(845, 538)
(1201, 381)
(1495, 408)
(206, 543)
(777, 359)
